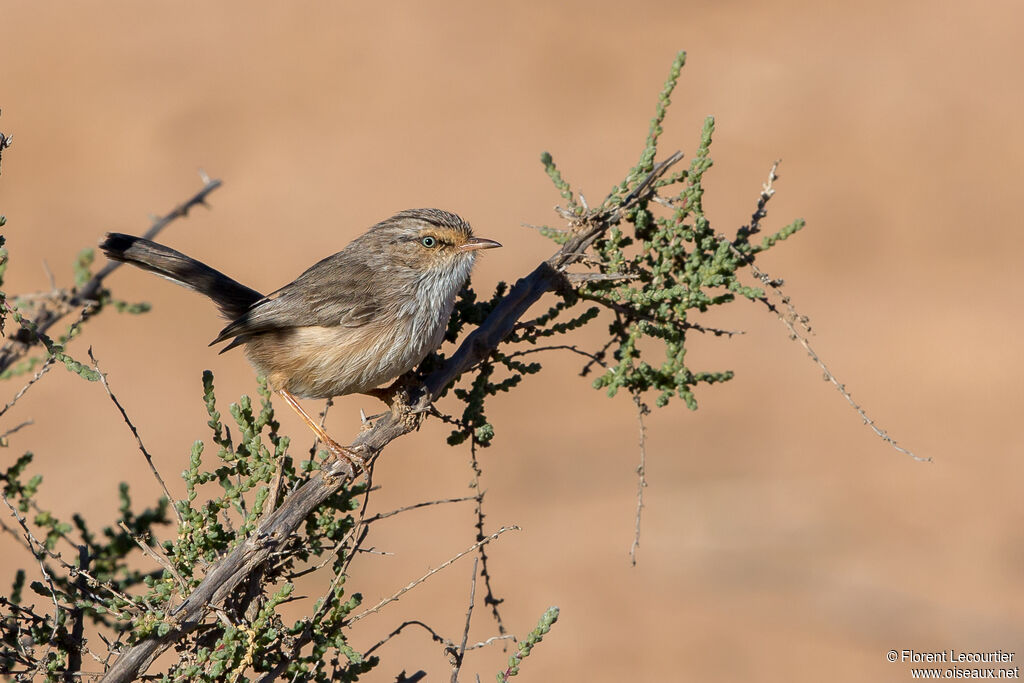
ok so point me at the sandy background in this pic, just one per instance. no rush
(782, 541)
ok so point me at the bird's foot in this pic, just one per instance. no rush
(348, 455)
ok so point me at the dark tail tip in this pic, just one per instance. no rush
(116, 244)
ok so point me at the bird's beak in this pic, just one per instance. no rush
(474, 243)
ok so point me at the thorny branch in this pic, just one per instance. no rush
(458, 655)
(489, 599)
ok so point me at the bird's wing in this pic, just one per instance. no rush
(337, 291)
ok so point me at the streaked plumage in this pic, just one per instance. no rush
(351, 322)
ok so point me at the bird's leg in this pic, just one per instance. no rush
(333, 446)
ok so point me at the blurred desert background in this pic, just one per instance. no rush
(782, 541)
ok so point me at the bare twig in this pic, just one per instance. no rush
(276, 487)
(359, 530)
(492, 639)
(415, 506)
(412, 584)
(767, 192)
(716, 331)
(459, 654)
(435, 636)
(594, 358)
(12, 430)
(744, 233)
(138, 439)
(641, 476)
(490, 599)
(47, 364)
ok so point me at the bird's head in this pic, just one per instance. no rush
(426, 242)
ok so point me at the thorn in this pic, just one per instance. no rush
(204, 177)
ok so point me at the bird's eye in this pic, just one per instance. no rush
(429, 242)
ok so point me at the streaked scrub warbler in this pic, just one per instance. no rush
(351, 322)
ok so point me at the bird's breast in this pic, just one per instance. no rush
(325, 361)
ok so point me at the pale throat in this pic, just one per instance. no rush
(431, 307)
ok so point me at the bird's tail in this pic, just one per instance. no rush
(232, 298)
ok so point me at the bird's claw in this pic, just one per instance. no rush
(349, 455)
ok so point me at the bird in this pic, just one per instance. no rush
(350, 323)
